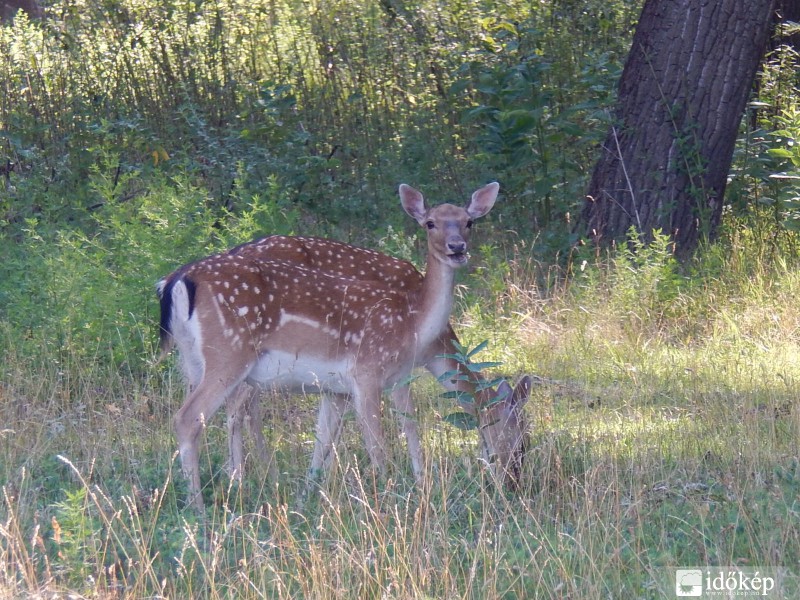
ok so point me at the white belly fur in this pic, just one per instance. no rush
(288, 371)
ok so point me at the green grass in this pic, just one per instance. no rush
(664, 433)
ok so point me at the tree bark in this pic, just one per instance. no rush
(665, 162)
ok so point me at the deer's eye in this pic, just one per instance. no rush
(469, 224)
(430, 225)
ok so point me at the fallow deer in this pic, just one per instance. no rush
(502, 425)
(277, 323)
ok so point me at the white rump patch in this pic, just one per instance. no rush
(187, 335)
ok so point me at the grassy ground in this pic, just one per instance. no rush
(665, 433)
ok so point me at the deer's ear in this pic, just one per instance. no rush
(483, 200)
(504, 391)
(413, 203)
(522, 392)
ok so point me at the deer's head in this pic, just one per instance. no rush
(504, 431)
(448, 225)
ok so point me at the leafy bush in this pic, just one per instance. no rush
(94, 293)
(765, 175)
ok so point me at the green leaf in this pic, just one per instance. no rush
(462, 420)
(792, 224)
(478, 348)
(456, 357)
(780, 152)
(485, 385)
(505, 26)
(572, 129)
(452, 376)
(478, 367)
(448, 374)
(520, 120)
(459, 348)
(459, 86)
(459, 396)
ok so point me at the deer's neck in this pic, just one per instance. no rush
(435, 303)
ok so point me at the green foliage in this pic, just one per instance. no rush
(313, 97)
(535, 118)
(396, 243)
(492, 272)
(645, 275)
(470, 371)
(786, 152)
(642, 281)
(75, 540)
(765, 175)
(536, 139)
(94, 293)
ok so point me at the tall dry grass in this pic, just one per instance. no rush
(664, 433)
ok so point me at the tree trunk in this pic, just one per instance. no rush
(683, 90)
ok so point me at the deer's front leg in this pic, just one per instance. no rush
(403, 404)
(367, 403)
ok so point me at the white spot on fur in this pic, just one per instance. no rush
(287, 318)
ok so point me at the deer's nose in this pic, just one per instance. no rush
(457, 246)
